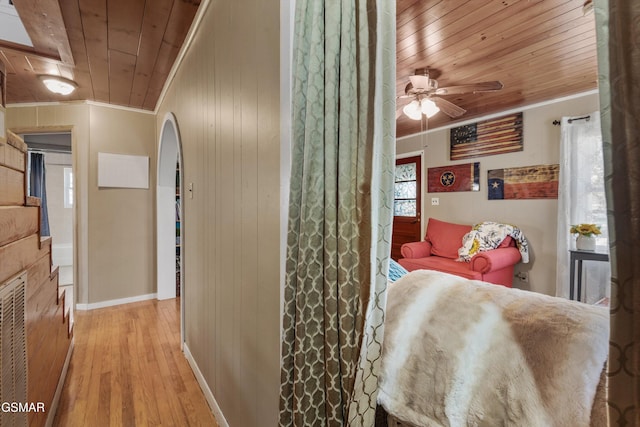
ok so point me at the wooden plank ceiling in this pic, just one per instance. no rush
(121, 51)
(539, 50)
(117, 51)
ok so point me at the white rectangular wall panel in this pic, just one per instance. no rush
(123, 171)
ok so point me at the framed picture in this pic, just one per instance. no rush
(487, 138)
(445, 179)
(529, 182)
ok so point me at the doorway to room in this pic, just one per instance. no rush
(50, 177)
(169, 216)
(407, 203)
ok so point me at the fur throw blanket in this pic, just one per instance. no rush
(467, 353)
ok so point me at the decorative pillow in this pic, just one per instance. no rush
(508, 241)
(396, 271)
(445, 237)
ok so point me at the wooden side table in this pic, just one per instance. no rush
(579, 256)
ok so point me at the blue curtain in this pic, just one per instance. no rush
(38, 188)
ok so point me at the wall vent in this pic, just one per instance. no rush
(13, 349)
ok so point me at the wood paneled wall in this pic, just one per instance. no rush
(226, 98)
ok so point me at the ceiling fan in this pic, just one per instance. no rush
(424, 96)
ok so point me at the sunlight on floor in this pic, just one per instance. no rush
(65, 275)
(68, 300)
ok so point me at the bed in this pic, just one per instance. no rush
(466, 353)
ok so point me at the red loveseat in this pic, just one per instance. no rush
(439, 251)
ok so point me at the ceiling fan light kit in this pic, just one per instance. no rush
(413, 110)
(59, 85)
(429, 108)
(426, 97)
(416, 108)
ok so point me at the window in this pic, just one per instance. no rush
(405, 203)
(596, 198)
(68, 188)
(581, 200)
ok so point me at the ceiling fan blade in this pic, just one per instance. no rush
(470, 88)
(449, 108)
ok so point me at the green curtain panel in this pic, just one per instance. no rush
(618, 32)
(340, 216)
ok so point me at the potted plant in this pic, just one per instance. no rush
(586, 236)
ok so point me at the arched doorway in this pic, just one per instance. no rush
(170, 252)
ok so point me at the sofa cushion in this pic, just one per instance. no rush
(445, 237)
(507, 242)
(444, 265)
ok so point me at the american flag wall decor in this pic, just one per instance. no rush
(446, 179)
(530, 182)
(488, 137)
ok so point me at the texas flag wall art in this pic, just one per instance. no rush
(529, 182)
(465, 177)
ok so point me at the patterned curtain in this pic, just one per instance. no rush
(619, 83)
(340, 215)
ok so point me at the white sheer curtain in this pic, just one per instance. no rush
(581, 199)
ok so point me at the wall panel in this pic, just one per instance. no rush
(226, 100)
(121, 230)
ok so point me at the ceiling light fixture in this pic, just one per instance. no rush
(429, 108)
(413, 110)
(57, 84)
(416, 108)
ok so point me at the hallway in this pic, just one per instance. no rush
(127, 369)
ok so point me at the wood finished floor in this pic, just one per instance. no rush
(127, 369)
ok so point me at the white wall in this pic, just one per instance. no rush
(537, 218)
(60, 218)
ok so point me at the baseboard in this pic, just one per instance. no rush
(109, 303)
(217, 412)
(56, 397)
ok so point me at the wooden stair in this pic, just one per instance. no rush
(22, 248)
